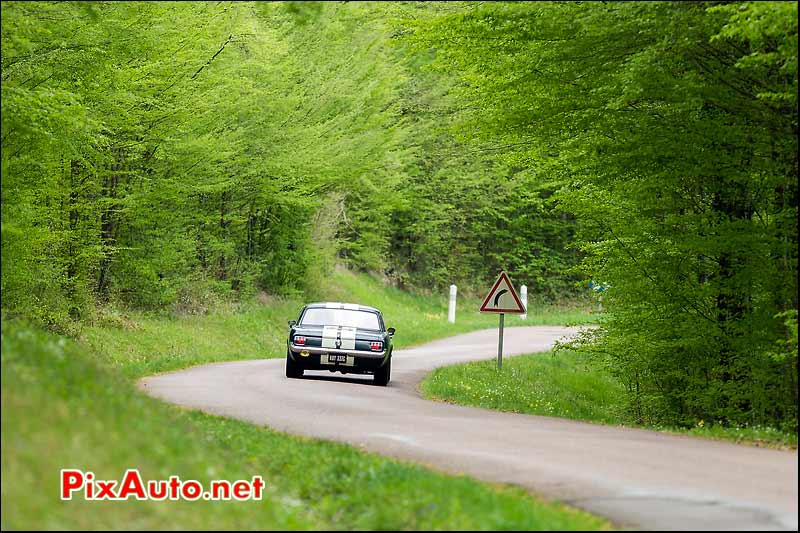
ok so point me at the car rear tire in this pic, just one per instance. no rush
(383, 374)
(293, 369)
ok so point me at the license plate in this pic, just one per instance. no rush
(337, 359)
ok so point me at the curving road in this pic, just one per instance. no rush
(639, 479)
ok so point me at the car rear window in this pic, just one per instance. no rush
(318, 316)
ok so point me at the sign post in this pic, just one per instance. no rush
(500, 344)
(502, 298)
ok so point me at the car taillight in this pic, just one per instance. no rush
(300, 340)
(376, 346)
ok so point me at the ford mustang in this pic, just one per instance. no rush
(346, 338)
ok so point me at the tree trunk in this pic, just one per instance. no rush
(109, 220)
(222, 273)
(73, 216)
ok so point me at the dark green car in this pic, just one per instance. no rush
(339, 337)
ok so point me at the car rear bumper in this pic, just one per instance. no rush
(297, 350)
(362, 362)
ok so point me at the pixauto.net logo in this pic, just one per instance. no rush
(132, 486)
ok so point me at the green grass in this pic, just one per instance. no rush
(68, 404)
(755, 435)
(139, 344)
(565, 385)
(60, 410)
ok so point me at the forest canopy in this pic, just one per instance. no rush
(154, 153)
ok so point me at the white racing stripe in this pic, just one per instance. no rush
(348, 338)
(351, 307)
(329, 336)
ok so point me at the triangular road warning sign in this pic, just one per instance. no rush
(502, 298)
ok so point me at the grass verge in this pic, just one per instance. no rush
(566, 385)
(60, 410)
(139, 344)
(73, 405)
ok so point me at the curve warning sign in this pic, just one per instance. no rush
(502, 298)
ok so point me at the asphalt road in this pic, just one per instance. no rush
(639, 479)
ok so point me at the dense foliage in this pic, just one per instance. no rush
(674, 128)
(155, 154)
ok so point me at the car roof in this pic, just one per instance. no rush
(340, 305)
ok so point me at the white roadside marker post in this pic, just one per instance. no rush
(451, 311)
(523, 295)
(500, 345)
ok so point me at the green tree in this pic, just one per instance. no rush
(673, 127)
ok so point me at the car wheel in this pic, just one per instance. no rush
(382, 375)
(293, 369)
